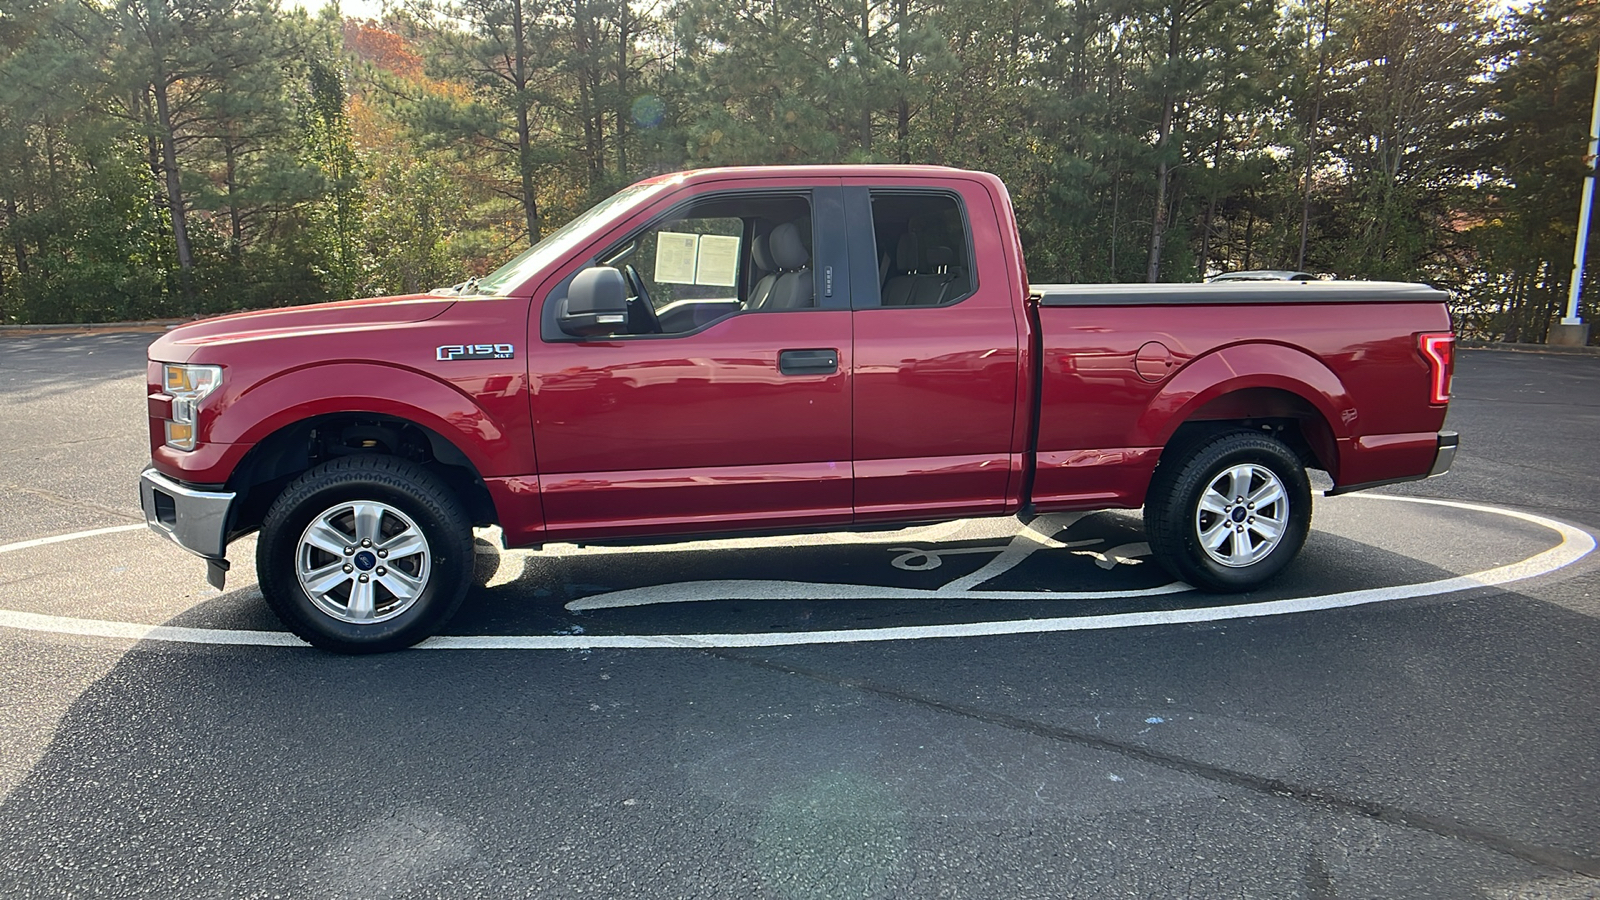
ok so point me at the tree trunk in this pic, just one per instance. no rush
(530, 200)
(235, 224)
(21, 249)
(1211, 206)
(902, 119)
(624, 40)
(152, 146)
(1311, 136)
(1516, 307)
(1158, 222)
(1169, 103)
(50, 159)
(1116, 210)
(864, 35)
(589, 111)
(169, 166)
(1249, 237)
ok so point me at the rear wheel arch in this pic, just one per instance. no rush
(1239, 366)
(1256, 386)
(1280, 413)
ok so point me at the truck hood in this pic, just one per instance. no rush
(181, 343)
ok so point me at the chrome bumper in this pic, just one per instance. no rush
(195, 520)
(1446, 454)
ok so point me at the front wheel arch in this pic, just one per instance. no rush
(292, 450)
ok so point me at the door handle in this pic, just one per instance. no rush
(808, 362)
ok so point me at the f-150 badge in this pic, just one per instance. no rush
(454, 352)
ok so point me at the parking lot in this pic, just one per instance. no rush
(978, 709)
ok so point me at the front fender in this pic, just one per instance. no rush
(284, 399)
(1239, 367)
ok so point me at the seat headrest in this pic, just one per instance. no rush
(940, 256)
(786, 249)
(760, 253)
(906, 255)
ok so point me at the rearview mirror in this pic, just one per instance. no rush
(596, 304)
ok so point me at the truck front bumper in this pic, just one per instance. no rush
(193, 519)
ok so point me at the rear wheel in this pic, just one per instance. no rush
(1228, 512)
(365, 554)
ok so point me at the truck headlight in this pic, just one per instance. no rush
(187, 386)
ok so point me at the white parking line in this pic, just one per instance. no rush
(1575, 544)
(61, 538)
(135, 632)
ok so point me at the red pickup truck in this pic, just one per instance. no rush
(774, 349)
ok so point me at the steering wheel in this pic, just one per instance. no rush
(642, 317)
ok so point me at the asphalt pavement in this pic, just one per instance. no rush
(971, 710)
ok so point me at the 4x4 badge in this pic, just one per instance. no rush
(453, 352)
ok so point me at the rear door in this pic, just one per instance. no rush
(936, 353)
(729, 406)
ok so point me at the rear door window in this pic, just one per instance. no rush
(924, 248)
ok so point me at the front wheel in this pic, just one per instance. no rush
(365, 554)
(1228, 513)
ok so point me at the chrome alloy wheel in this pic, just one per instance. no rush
(363, 562)
(1242, 515)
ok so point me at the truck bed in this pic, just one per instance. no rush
(1124, 365)
(1226, 293)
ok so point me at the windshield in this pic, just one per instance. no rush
(596, 219)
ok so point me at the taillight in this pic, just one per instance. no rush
(1439, 349)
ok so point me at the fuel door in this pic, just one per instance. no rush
(1153, 362)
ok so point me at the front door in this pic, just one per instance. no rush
(727, 406)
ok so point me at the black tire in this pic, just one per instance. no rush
(416, 514)
(1203, 472)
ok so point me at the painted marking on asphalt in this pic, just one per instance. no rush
(930, 533)
(512, 563)
(61, 538)
(1040, 532)
(736, 589)
(1575, 545)
(136, 632)
(1036, 535)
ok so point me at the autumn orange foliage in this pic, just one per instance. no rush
(374, 44)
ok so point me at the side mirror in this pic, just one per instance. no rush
(596, 304)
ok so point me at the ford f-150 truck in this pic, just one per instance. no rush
(774, 349)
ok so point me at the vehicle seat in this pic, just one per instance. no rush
(897, 291)
(762, 257)
(933, 287)
(794, 288)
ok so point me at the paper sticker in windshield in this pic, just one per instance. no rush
(454, 352)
